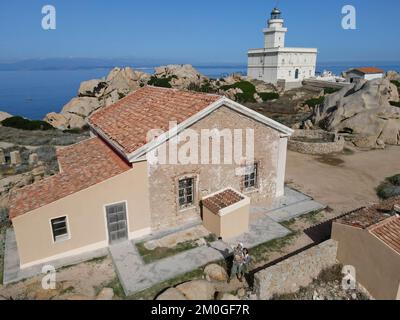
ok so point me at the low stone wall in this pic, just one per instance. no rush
(295, 272)
(334, 143)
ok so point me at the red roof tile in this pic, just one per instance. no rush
(82, 165)
(389, 232)
(129, 120)
(369, 216)
(370, 70)
(222, 200)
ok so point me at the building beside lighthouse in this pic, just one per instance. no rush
(278, 64)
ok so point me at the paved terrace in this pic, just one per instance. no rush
(136, 276)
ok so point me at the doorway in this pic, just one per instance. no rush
(117, 223)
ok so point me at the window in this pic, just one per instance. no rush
(250, 178)
(186, 192)
(60, 229)
(296, 75)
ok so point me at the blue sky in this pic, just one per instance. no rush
(189, 31)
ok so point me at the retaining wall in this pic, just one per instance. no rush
(295, 272)
(334, 143)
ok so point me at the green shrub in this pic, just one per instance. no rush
(330, 90)
(245, 86)
(160, 82)
(389, 188)
(395, 104)
(248, 91)
(26, 124)
(266, 96)
(395, 180)
(204, 87)
(396, 83)
(314, 101)
(245, 97)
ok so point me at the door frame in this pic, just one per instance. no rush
(106, 220)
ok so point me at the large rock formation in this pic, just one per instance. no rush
(99, 93)
(95, 94)
(181, 75)
(364, 110)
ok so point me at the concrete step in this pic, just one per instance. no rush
(295, 210)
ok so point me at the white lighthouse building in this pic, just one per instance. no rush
(277, 64)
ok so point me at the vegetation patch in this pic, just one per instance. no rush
(163, 82)
(26, 124)
(39, 138)
(159, 253)
(396, 83)
(267, 96)
(395, 104)
(312, 217)
(248, 89)
(330, 90)
(389, 188)
(260, 252)
(205, 87)
(314, 102)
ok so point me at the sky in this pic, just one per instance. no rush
(194, 31)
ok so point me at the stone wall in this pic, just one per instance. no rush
(334, 143)
(163, 179)
(295, 272)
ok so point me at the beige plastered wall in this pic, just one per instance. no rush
(85, 211)
(377, 265)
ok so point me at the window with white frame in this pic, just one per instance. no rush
(251, 177)
(59, 228)
(186, 192)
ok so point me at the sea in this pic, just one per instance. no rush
(34, 93)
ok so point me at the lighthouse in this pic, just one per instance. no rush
(278, 64)
(275, 33)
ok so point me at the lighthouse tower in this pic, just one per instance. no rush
(275, 32)
(277, 64)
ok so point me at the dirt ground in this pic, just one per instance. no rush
(79, 282)
(343, 182)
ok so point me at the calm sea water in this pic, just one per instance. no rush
(33, 94)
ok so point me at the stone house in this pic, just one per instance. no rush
(366, 73)
(110, 189)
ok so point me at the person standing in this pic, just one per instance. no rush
(246, 263)
(237, 264)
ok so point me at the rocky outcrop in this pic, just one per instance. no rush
(4, 115)
(181, 76)
(363, 109)
(98, 93)
(393, 76)
(216, 272)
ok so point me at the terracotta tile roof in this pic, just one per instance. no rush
(129, 120)
(366, 217)
(222, 200)
(389, 232)
(82, 165)
(369, 70)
